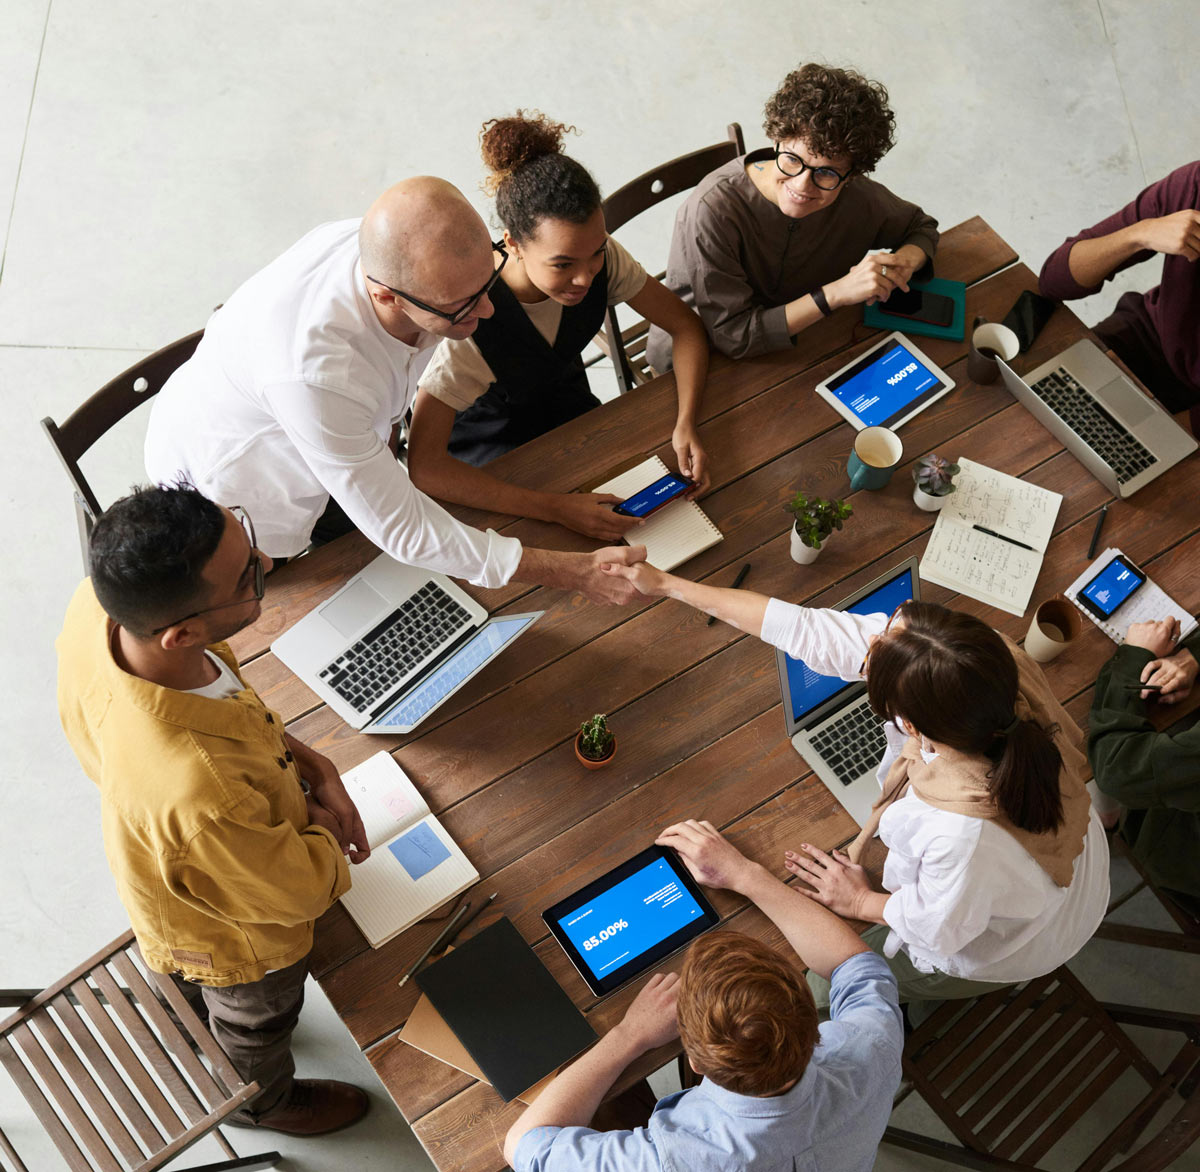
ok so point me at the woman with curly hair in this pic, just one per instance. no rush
(771, 242)
(520, 373)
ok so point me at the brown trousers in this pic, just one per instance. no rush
(253, 1024)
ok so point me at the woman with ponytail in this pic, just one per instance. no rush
(997, 866)
(520, 373)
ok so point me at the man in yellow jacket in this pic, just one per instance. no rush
(224, 833)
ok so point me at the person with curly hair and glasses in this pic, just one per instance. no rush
(775, 240)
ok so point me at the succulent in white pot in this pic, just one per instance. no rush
(813, 520)
(933, 477)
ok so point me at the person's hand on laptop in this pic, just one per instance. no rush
(329, 805)
(591, 514)
(710, 857)
(650, 1020)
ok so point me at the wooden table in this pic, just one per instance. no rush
(696, 708)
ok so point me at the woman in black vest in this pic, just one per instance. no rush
(520, 373)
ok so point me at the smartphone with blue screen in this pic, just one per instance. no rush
(1114, 584)
(652, 498)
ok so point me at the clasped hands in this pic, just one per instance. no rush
(1173, 671)
(329, 805)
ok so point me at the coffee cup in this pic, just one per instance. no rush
(877, 452)
(990, 341)
(1056, 624)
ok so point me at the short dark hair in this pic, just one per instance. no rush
(147, 554)
(746, 1016)
(531, 177)
(837, 112)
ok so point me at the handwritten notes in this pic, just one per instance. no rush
(1012, 507)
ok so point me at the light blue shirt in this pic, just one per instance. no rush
(830, 1121)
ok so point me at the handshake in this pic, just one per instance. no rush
(620, 575)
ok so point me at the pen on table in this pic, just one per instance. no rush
(1010, 540)
(441, 936)
(458, 931)
(1096, 532)
(741, 577)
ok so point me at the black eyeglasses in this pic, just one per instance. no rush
(260, 574)
(457, 316)
(826, 178)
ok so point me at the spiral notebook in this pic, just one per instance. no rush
(677, 532)
(1149, 604)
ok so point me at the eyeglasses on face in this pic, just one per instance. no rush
(464, 309)
(255, 563)
(792, 165)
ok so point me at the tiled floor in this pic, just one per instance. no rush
(153, 155)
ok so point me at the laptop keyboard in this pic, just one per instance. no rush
(366, 672)
(1080, 411)
(853, 744)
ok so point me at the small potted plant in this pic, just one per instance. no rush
(814, 520)
(595, 743)
(934, 480)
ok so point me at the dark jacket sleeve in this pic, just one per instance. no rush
(901, 223)
(1142, 768)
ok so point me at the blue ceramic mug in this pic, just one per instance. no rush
(876, 455)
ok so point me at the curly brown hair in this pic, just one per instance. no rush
(836, 112)
(531, 178)
(746, 1017)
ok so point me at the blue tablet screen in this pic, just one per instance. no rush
(1109, 588)
(630, 918)
(881, 387)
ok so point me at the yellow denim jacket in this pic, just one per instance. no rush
(205, 824)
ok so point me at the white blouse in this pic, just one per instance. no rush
(967, 898)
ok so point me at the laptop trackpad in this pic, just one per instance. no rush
(356, 606)
(1126, 401)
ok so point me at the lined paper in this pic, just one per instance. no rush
(1150, 604)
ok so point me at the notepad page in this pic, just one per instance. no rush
(991, 569)
(677, 532)
(1006, 504)
(385, 898)
(1150, 604)
(386, 798)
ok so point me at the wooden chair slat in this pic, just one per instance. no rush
(1061, 1124)
(68, 1106)
(86, 1085)
(10, 1153)
(206, 1126)
(956, 1040)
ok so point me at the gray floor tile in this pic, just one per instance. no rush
(20, 48)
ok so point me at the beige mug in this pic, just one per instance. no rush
(1056, 624)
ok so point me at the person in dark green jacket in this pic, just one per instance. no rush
(1154, 775)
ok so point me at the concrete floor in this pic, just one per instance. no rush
(154, 155)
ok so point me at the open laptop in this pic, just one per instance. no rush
(829, 720)
(1115, 430)
(393, 644)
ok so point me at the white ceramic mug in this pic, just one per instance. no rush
(877, 452)
(1055, 625)
(983, 368)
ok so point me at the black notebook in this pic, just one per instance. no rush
(506, 1008)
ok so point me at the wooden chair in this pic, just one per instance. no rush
(114, 1082)
(107, 407)
(1011, 1072)
(627, 348)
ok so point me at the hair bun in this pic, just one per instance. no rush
(508, 144)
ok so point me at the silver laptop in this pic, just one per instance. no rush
(830, 721)
(1115, 430)
(393, 644)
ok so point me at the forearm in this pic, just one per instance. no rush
(574, 1096)
(690, 363)
(819, 937)
(453, 480)
(804, 312)
(743, 609)
(1091, 261)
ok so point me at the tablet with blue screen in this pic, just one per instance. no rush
(628, 920)
(886, 386)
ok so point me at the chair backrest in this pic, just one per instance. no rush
(111, 1077)
(630, 201)
(1187, 939)
(102, 411)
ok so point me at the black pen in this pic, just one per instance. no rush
(741, 577)
(1145, 687)
(443, 935)
(1010, 540)
(1096, 531)
(458, 931)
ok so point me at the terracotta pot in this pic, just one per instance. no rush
(926, 500)
(803, 554)
(587, 762)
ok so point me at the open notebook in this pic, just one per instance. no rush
(1149, 604)
(677, 532)
(415, 866)
(990, 536)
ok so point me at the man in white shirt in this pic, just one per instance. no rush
(296, 390)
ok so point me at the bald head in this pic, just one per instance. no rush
(417, 232)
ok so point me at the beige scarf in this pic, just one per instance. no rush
(957, 782)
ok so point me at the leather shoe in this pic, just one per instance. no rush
(316, 1106)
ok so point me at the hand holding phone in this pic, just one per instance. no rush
(652, 498)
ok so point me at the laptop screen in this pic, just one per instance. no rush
(806, 689)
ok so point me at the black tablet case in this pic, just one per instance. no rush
(506, 1008)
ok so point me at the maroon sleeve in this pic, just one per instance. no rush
(1177, 191)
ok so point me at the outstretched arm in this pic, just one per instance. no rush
(739, 608)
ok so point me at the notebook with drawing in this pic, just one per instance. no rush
(990, 536)
(1119, 594)
(677, 532)
(415, 866)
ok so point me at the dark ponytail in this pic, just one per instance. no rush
(531, 178)
(950, 676)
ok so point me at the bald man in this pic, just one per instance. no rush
(290, 405)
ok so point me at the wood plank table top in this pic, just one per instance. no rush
(696, 708)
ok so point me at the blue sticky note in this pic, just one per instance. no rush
(419, 851)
